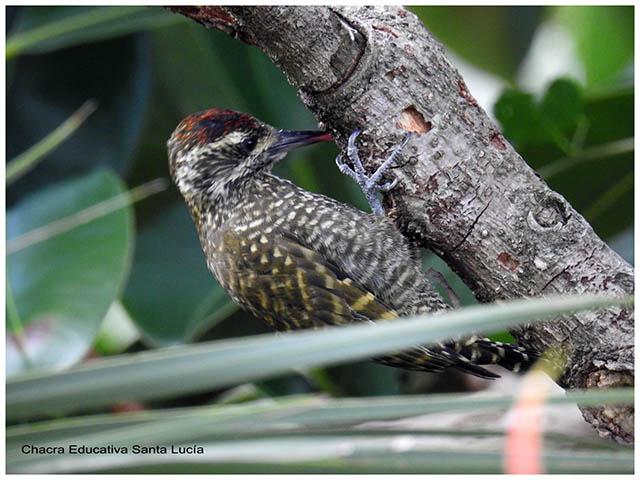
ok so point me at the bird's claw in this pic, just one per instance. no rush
(385, 187)
(344, 168)
(370, 185)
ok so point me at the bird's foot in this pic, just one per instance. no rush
(370, 185)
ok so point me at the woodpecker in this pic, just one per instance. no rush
(302, 260)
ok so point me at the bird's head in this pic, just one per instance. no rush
(213, 153)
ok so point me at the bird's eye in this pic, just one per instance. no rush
(248, 144)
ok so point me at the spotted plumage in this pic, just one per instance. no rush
(299, 259)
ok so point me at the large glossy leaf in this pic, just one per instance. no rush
(64, 285)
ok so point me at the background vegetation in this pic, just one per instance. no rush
(86, 281)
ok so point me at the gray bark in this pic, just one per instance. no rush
(464, 192)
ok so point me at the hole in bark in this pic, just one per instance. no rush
(508, 262)
(498, 142)
(391, 74)
(412, 120)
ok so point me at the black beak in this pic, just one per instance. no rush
(288, 140)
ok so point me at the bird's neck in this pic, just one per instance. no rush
(216, 210)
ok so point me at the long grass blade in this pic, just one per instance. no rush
(27, 160)
(168, 372)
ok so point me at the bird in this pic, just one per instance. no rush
(298, 259)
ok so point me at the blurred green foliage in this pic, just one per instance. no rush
(494, 38)
(567, 126)
(147, 68)
(602, 37)
(63, 286)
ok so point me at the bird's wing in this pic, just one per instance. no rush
(294, 287)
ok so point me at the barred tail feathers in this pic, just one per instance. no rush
(466, 355)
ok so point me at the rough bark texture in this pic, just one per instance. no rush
(464, 192)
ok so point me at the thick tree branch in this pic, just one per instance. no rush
(464, 192)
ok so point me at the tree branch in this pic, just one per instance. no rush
(464, 192)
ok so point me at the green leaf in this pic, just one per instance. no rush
(484, 36)
(163, 373)
(552, 120)
(63, 286)
(604, 40)
(520, 118)
(43, 30)
(563, 105)
(167, 311)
